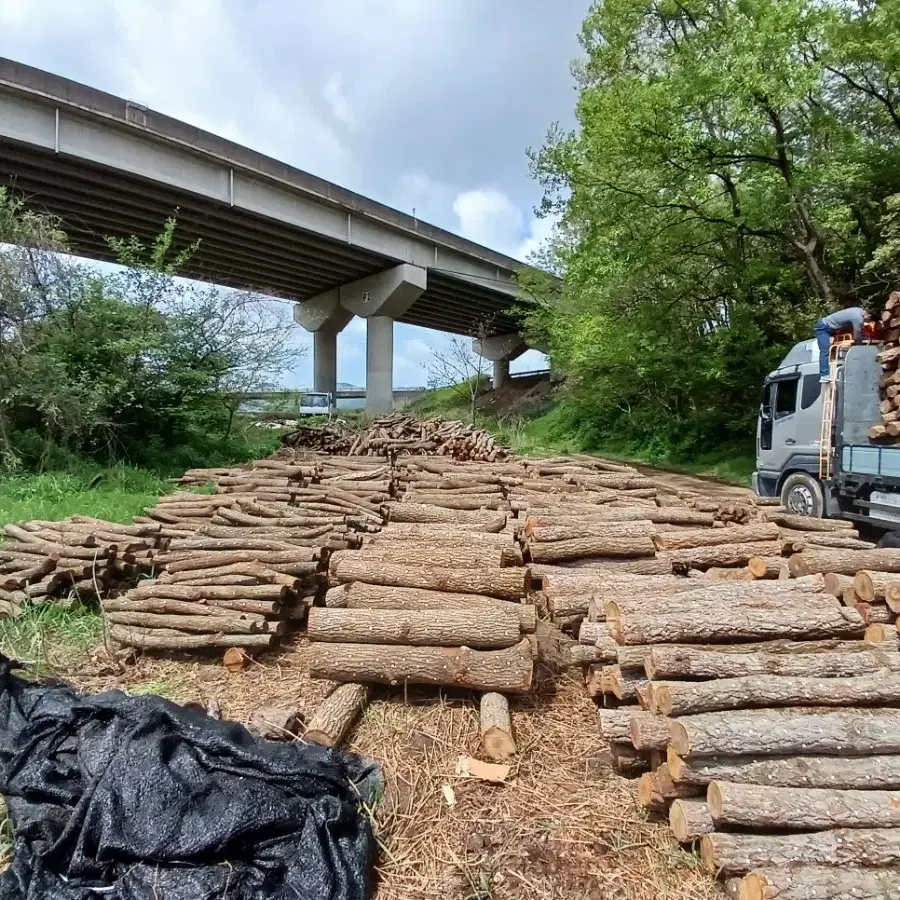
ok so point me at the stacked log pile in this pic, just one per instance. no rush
(760, 708)
(400, 433)
(79, 557)
(889, 384)
(435, 598)
(243, 564)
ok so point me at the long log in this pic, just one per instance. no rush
(496, 729)
(603, 565)
(360, 595)
(416, 554)
(169, 639)
(261, 608)
(844, 562)
(713, 621)
(766, 808)
(820, 883)
(505, 584)
(784, 731)
(476, 627)
(611, 546)
(554, 533)
(270, 592)
(710, 537)
(336, 713)
(690, 820)
(674, 662)
(726, 555)
(808, 523)
(685, 698)
(841, 773)
(504, 671)
(415, 512)
(230, 558)
(731, 854)
(235, 623)
(446, 536)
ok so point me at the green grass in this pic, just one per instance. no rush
(43, 635)
(115, 494)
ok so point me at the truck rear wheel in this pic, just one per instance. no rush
(801, 495)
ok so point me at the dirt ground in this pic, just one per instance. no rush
(563, 827)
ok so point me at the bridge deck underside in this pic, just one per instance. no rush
(237, 248)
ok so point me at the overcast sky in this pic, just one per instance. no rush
(420, 104)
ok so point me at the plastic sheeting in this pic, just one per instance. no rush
(126, 797)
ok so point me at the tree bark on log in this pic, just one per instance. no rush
(419, 513)
(775, 732)
(649, 732)
(447, 500)
(230, 558)
(711, 622)
(610, 546)
(480, 628)
(732, 854)
(169, 639)
(766, 808)
(836, 584)
(235, 623)
(710, 537)
(726, 555)
(606, 565)
(496, 730)
(589, 632)
(808, 523)
(261, 608)
(446, 536)
(504, 671)
(819, 883)
(686, 698)
(505, 584)
(690, 820)
(416, 554)
(876, 614)
(662, 663)
(360, 595)
(273, 593)
(840, 773)
(336, 713)
(844, 562)
(555, 533)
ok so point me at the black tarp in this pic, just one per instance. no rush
(137, 798)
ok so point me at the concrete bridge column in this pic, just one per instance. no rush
(325, 318)
(501, 349)
(380, 299)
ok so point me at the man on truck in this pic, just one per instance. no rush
(828, 326)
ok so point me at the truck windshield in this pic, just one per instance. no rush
(317, 401)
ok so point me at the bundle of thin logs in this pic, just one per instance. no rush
(244, 563)
(80, 557)
(435, 598)
(889, 383)
(761, 714)
(400, 433)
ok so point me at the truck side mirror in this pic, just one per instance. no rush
(765, 413)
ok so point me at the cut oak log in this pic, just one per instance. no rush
(844, 562)
(785, 731)
(766, 566)
(170, 639)
(685, 698)
(808, 523)
(873, 586)
(504, 671)
(727, 555)
(731, 854)
(820, 883)
(842, 773)
(709, 537)
(766, 808)
(693, 662)
(360, 595)
(496, 729)
(803, 617)
(690, 820)
(505, 584)
(610, 546)
(233, 623)
(481, 628)
(336, 713)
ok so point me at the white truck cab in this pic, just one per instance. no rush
(315, 403)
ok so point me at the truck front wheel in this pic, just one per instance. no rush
(801, 495)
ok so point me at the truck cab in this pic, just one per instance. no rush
(315, 403)
(813, 450)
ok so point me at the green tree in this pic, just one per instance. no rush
(725, 186)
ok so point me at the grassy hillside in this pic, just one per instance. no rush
(556, 428)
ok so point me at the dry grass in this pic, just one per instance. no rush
(564, 827)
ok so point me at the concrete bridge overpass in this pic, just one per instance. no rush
(108, 166)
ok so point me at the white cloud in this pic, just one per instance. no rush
(333, 92)
(487, 216)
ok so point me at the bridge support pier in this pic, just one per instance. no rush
(501, 349)
(379, 364)
(325, 318)
(325, 361)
